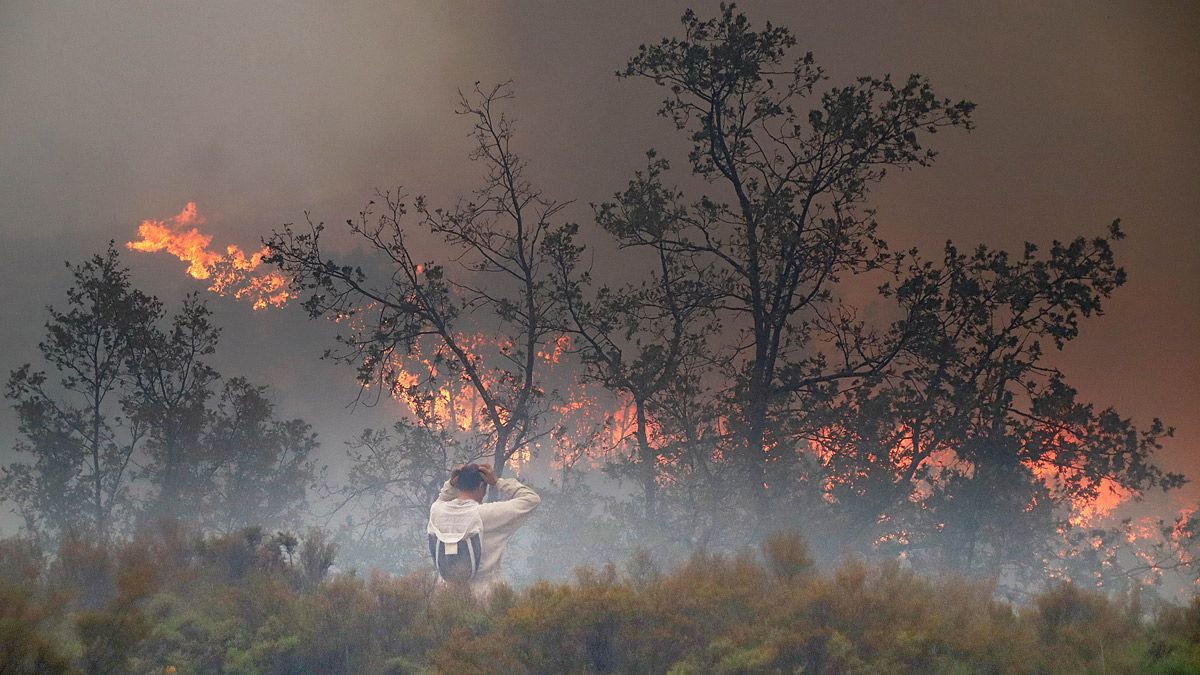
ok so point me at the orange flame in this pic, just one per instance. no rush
(232, 272)
(454, 403)
(1106, 493)
(431, 391)
(1101, 496)
(554, 351)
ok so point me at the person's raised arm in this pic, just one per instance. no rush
(510, 514)
(449, 492)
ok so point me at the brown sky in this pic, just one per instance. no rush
(113, 112)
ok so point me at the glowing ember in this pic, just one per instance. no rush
(232, 273)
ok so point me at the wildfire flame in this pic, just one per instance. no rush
(231, 273)
(1085, 511)
(447, 400)
(1100, 498)
(428, 384)
(455, 405)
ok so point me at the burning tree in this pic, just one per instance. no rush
(496, 275)
(786, 224)
(974, 453)
(945, 430)
(747, 388)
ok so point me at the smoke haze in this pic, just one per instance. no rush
(111, 113)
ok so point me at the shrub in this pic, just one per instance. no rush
(245, 603)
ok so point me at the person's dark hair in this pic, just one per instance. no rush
(469, 478)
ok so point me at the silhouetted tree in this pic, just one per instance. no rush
(637, 339)
(254, 469)
(787, 220)
(974, 452)
(122, 424)
(172, 386)
(497, 237)
(77, 421)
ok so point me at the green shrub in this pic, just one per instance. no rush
(246, 603)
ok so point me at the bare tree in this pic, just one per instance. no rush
(495, 279)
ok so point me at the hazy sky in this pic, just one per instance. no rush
(113, 112)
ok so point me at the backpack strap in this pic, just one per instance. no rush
(475, 548)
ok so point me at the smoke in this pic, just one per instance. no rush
(116, 113)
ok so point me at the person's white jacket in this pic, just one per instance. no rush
(500, 520)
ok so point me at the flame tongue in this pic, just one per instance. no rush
(233, 272)
(178, 237)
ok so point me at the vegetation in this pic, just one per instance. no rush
(734, 381)
(129, 423)
(942, 468)
(171, 601)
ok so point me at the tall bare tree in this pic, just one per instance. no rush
(494, 279)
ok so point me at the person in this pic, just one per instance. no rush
(467, 536)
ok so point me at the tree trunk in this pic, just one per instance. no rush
(649, 462)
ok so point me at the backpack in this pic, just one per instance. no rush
(456, 552)
(456, 561)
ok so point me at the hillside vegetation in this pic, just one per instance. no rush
(171, 601)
